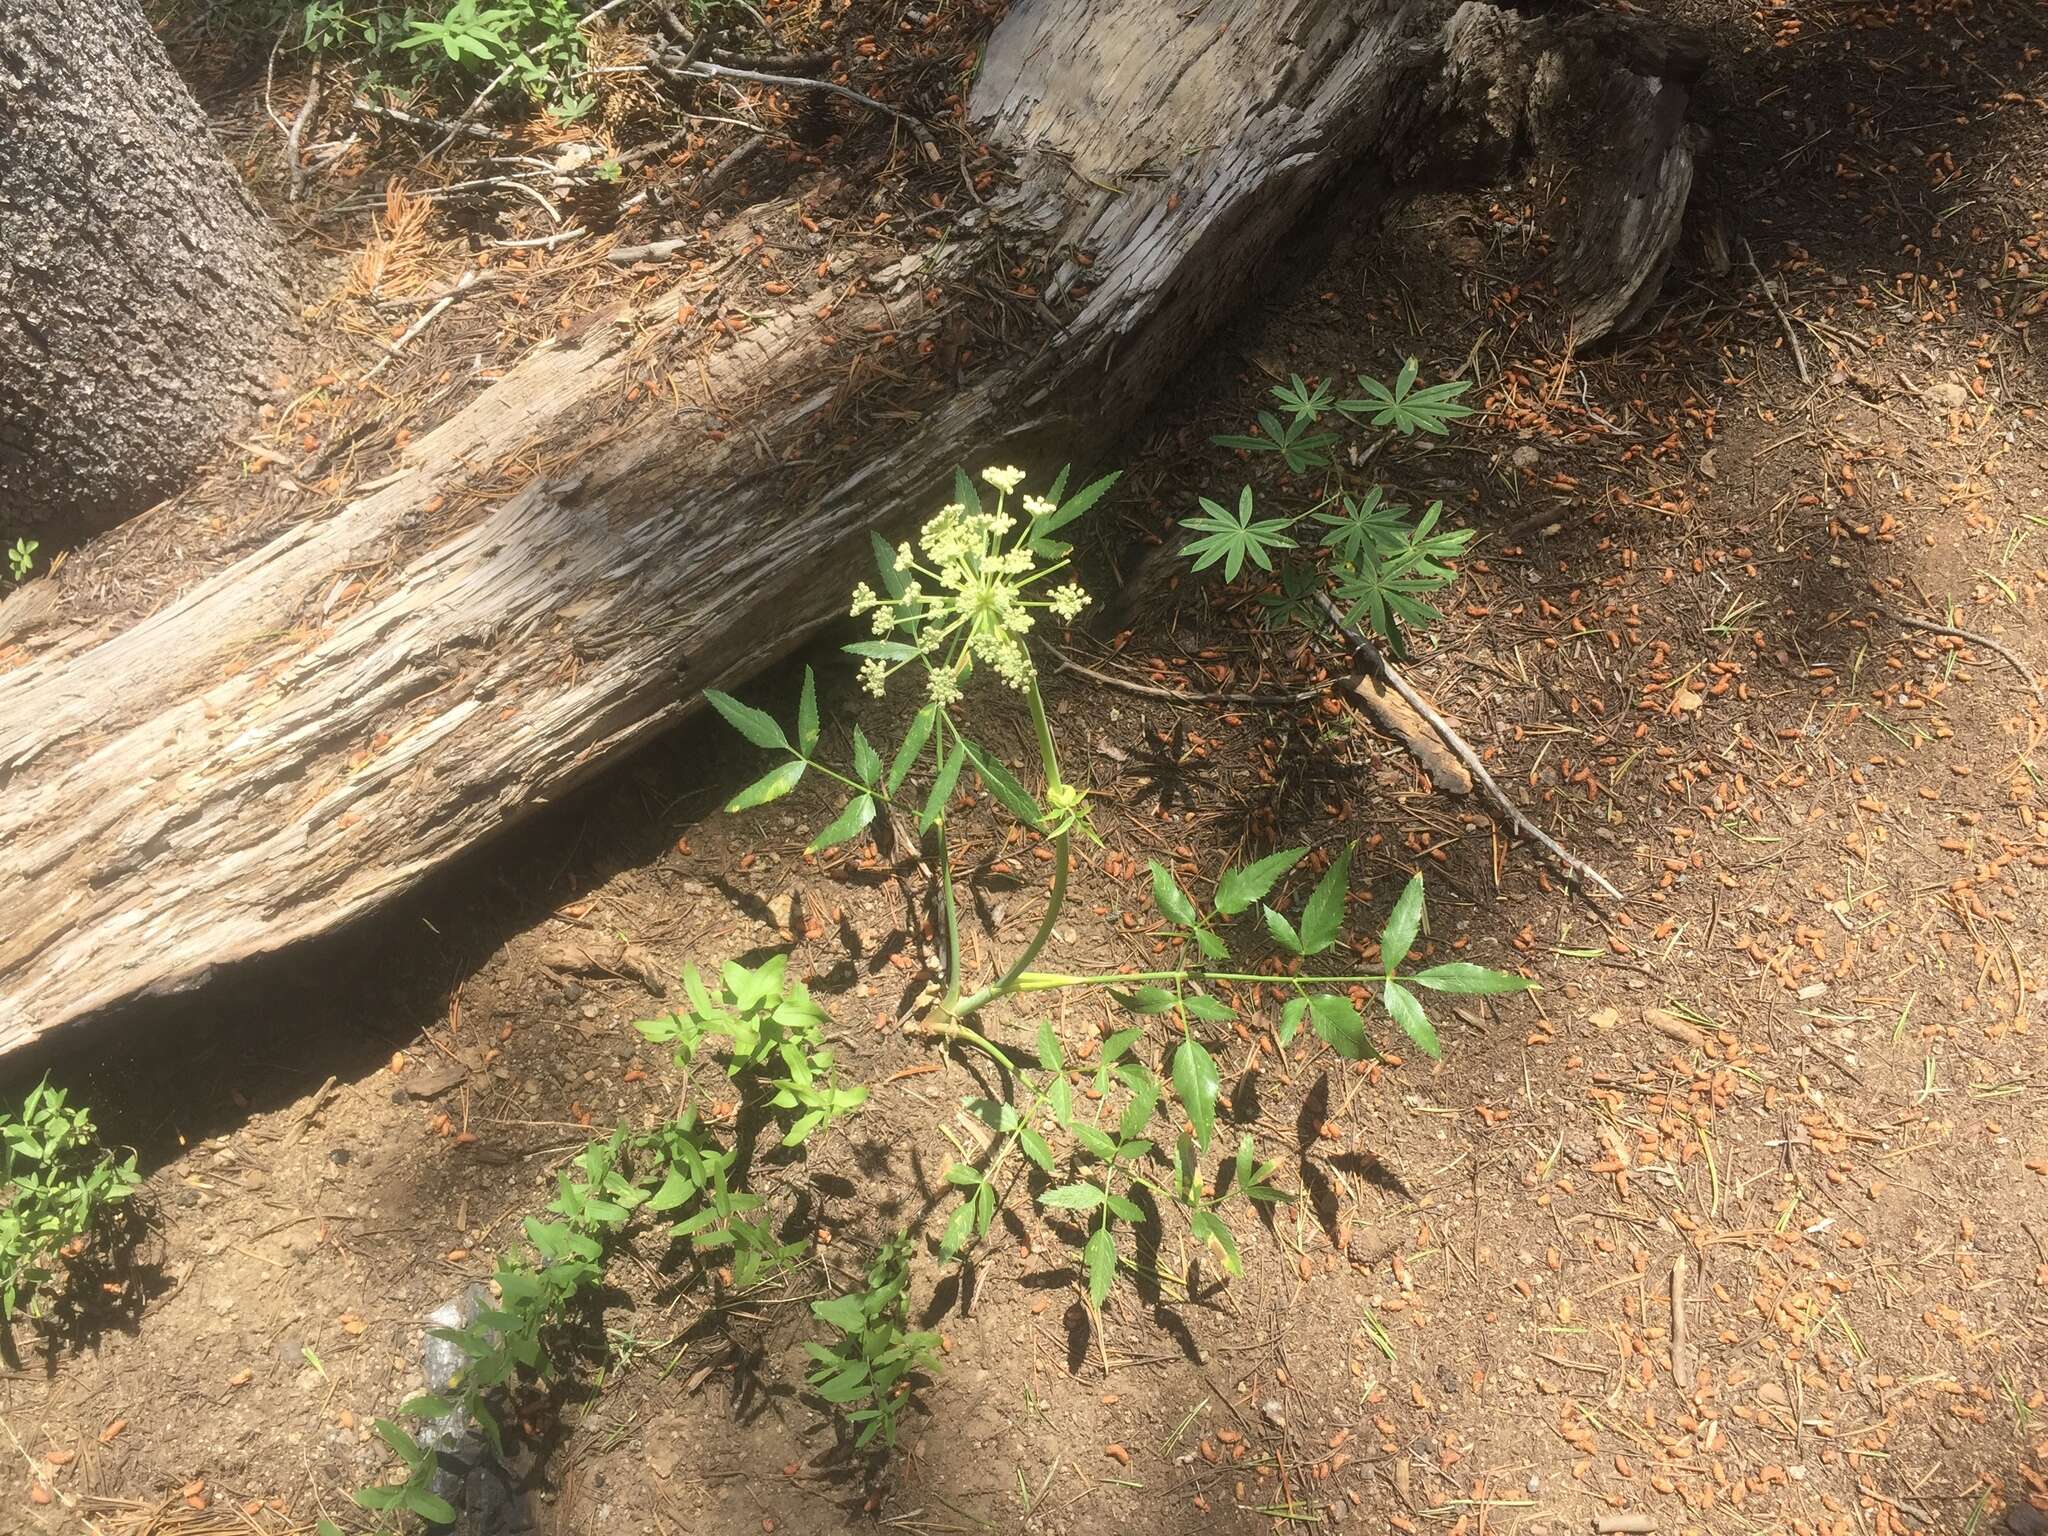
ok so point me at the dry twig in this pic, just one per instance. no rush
(704, 69)
(298, 128)
(1784, 320)
(1149, 691)
(1973, 638)
(1577, 869)
(392, 349)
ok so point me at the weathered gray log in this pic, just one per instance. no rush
(294, 742)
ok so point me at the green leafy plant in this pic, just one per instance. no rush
(413, 1495)
(21, 558)
(57, 1187)
(775, 1030)
(1378, 561)
(866, 1372)
(503, 1340)
(962, 602)
(695, 1180)
(595, 1199)
(1405, 408)
(981, 1183)
(450, 47)
(1235, 537)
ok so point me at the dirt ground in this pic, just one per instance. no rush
(1740, 1223)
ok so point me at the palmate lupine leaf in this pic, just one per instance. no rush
(1294, 440)
(1404, 407)
(1388, 588)
(1367, 528)
(1303, 402)
(1234, 537)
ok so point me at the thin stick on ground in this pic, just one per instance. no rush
(704, 69)
(414, 120)
(298, 128)
(1784, 320)
(1681, 1354)
(1974, 638)
(392, 350)
(1150, 691)
(1577, 869)
(461, 123)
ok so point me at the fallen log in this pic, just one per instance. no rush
(311, 731)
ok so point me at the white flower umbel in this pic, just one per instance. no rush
(970, 598)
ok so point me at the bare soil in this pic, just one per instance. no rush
(1787, 1097)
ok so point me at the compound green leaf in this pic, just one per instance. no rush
(1402, 923)
(1464, 977)
(1339, 1024)
(1072, 1197)
(1100, 1257)
(1197, 1081)
(757, 727)
(850, 822)
(1240, 888)
(772, 785)
(1322, 920)
(807, 714)
(1406, 1011)
(942, 788)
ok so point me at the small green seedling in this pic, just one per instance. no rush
(867, 1372)
(21, 557)
(415, 1494)
(695, 1180)
(57, 1186)
(776, 1033)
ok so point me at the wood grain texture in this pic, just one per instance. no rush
(292, 744)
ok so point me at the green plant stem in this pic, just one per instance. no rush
(1047, 754)
(1062, 857)
(951, 1004)
(1054, 900)
(1044, 981)
(964, 1035)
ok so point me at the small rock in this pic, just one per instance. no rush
(1526, 457)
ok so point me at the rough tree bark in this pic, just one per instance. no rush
(311, 731)
(138, 284)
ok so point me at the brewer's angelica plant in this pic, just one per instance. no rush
(961, 602)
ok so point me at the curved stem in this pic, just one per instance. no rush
(1039, 981)
(1054, 900)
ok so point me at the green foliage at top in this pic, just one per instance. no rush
(56, 1186)
(452, 48)
(21, 557)
(1377, 560)
(866, 1372)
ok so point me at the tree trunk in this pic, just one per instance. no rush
(138, 284)
(316, 728)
